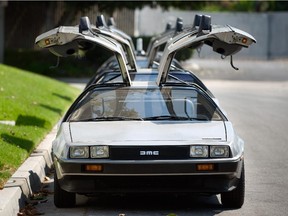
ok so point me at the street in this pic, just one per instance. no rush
(255, 99)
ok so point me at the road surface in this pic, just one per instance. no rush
(256, 101)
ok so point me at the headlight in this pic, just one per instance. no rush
(99, 151)
(199, 151)
(79, 152)
(219, 151)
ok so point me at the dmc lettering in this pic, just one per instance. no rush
(149, 153)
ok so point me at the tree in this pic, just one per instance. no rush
(223, 5)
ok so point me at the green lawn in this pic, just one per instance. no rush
(35, 103)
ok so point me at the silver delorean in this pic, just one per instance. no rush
(143, 134)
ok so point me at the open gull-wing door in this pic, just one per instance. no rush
(161, 39)
(103, 29)
(65, 41)
(168, 31)
(225, 40)
(112, 26)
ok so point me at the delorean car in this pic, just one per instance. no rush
(134, 135)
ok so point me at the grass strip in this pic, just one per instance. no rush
(30, 105)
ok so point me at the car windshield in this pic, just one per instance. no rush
(128, 103)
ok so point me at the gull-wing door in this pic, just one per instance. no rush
(225, 40)
(65, 41)
(162, 39)
(102, 28)
(168, 30)
(113, 28)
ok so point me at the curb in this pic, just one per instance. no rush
(28, 178)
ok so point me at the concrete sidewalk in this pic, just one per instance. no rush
(27, 179)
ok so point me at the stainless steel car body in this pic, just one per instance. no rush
(147, 132)
(140, 147)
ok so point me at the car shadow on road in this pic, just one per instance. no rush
(137, 205)
(155, 204)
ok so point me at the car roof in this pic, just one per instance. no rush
(176, 76)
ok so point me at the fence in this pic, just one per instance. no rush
(269, 29)
(25, 20)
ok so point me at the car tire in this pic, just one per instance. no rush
(62, 198)
(235, 198)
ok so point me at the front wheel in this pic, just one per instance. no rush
(235, 198)
(62, 198)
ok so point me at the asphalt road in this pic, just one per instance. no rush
(256, 101)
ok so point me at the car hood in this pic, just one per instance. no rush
(143, 132)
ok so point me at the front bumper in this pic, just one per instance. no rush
(149, 176)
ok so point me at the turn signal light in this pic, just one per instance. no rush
(93, 168)
(47, 42)
(244, 40)
(205, 167)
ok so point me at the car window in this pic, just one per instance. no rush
(166, 103)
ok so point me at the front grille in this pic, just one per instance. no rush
(149, 152)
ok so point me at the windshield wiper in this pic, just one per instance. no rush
(169, 117)
(166, 117)
(112, 118)
(157, 118)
